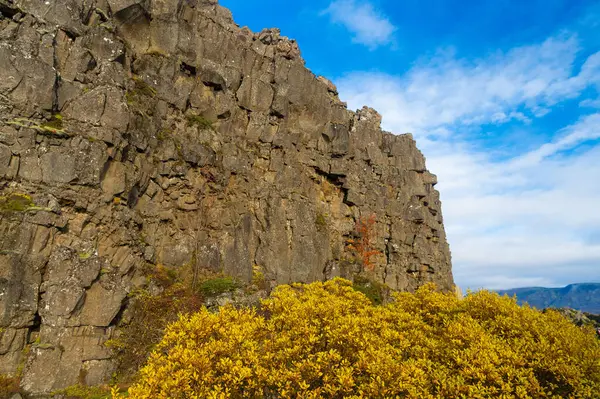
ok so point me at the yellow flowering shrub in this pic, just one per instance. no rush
(326, 340)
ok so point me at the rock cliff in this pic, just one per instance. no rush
(136, 132)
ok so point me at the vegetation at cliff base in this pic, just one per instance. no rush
(327, 340)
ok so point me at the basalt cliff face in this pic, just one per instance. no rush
(159, 132)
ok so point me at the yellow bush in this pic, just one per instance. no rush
(326, 340)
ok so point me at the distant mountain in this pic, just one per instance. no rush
(584, 297)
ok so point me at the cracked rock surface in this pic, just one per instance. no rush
(160, 132)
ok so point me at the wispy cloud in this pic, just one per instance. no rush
(369, 26)
(437, 93)
(588, 128)
(528, 219)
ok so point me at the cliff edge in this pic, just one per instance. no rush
(159, 132)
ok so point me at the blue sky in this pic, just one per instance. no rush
(503, 98)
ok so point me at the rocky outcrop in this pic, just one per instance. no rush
(159, 132)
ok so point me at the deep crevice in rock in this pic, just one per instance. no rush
(224, 115)
(56, 65)
(116, 321)
(133, 196)
(121, 59)
(8, 10)
(133, 14)
(187, 69)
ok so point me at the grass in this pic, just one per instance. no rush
(143, 88)
(83, 392)
(140, 92)
(163, 134)
(10, 385)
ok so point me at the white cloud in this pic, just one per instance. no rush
(588, 128)
(527, 219)
(520, 84)
(369, 26)
(590, 103)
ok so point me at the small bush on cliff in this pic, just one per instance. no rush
(326, 340)
(9, 385)
(149, 316)
(372, 289)
(362, 244)
(217, 286)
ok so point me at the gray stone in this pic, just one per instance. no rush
(255, 95)
(5, 158)
(114, 182)
(101, 305)
(58, 167)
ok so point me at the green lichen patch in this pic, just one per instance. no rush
(164, 134)
(54, 126)
(320, 221)
(199, 121)
(18, 202)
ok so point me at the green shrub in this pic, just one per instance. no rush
(17, 202)
(372, 289)
(217, 286)
(259, 280)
